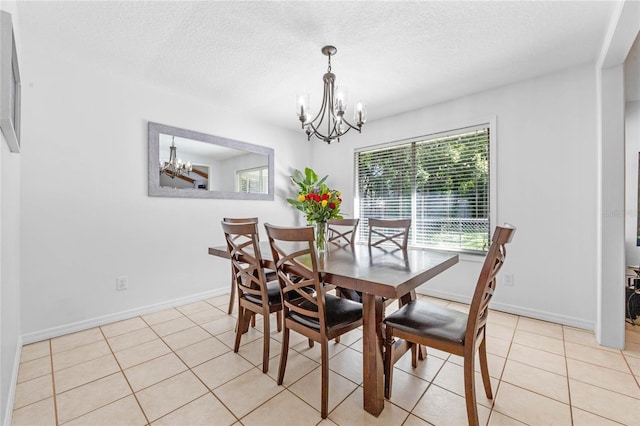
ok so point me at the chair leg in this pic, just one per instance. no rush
(266, 339)
(283, 354)
(279, 320)
(232, 296)
(422, 352)
(418, 352)
(388, 365)
(470, 389)
(253, 321)
(415, 348)
(311, 343)
(239, 327)
(484, 369)
(325, 379)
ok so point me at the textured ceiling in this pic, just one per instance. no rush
(254, 57)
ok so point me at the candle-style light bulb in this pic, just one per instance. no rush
(341, 99)
(302, 107)
(360, 114)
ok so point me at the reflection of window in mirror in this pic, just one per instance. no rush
(255, 181)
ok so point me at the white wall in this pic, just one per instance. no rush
(546, 187)
(88, 127)
(610, 219)
(610, 208)
(10, 341)
(9, 271)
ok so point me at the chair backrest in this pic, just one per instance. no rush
(240, 219)
(342, 229)
(294, 253)
(395, 231)
(486, 285)
(243, 245)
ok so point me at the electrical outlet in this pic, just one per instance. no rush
(508, 280)
(122, 283)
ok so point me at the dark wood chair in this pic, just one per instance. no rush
(394, 231)
(450, 330)
(316, 314)
(342, 231)
(232, 295)
(256, 295)
(271, 275)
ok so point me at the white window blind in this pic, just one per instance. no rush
(253, 180)
(441, 182)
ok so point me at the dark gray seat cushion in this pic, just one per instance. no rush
(273, 292)
(338, 310)
(430, 320)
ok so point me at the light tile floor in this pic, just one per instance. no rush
(176, 367)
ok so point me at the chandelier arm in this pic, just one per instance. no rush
(321, 136)
(319, 116)
(332, 119)
(332, 133)
(351, 126)
(315, 132)
(326, 98)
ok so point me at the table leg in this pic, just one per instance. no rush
(373, 369)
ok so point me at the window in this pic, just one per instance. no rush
(253, 181)
(440, 181)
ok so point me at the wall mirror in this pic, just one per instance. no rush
(188, 164)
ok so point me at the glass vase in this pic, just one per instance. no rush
(320, 229)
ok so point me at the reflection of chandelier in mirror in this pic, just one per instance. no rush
(174, 167)
(331, 114)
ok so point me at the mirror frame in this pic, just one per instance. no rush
(155, 190)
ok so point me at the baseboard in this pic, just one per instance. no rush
(74, 327)
(517, 310)
(11, 396)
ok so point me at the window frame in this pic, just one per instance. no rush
(450, 131)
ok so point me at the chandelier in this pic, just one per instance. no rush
(331, 117)
(174, 167)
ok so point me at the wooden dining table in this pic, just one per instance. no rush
(377, 273)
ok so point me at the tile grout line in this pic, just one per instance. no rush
(571, 406)
(635, 378)
(273, 397)
(167, 378)
(506, 359)
(286, 387)
(53, 385)
(198, 377)
(430, 382)
(125, 378)
(566, 368)
(209, 391)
